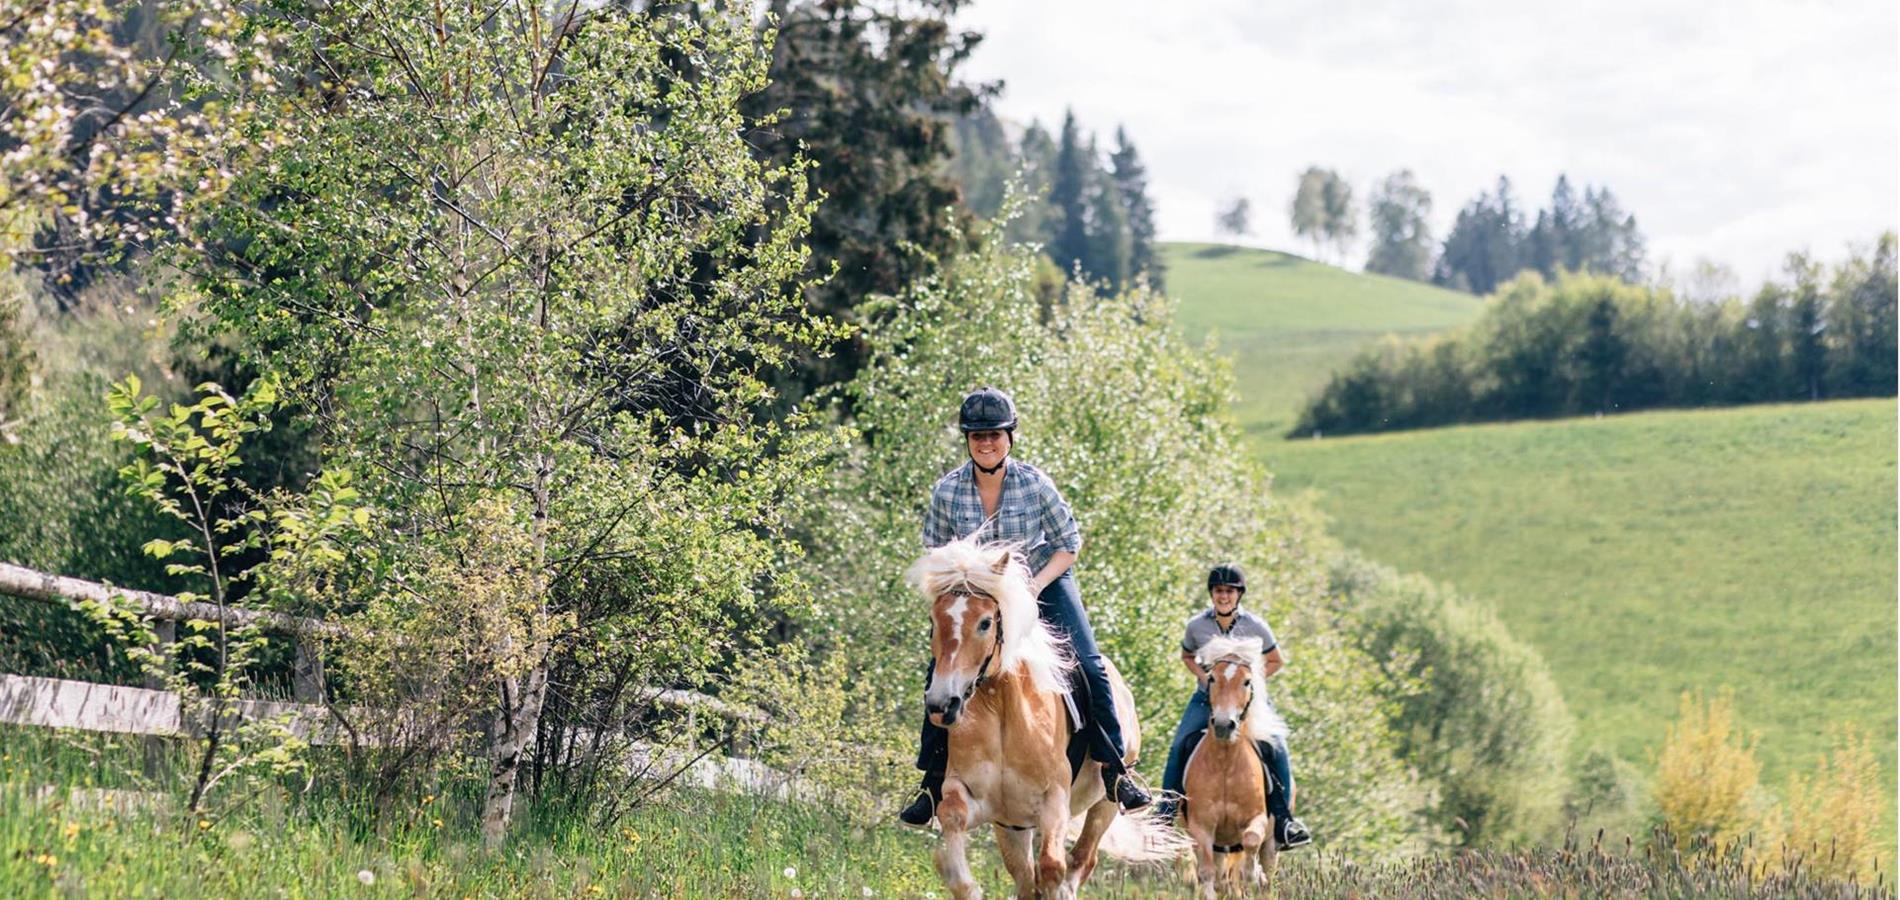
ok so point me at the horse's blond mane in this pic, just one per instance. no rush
(972, 566)
(1263, 722)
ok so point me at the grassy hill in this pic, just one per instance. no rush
(1644, 555)
(1289, 321)
(1653, 553)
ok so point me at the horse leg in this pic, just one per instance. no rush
(952, 856)
(1052, 829)
(1269, 860)
(1257, 834)
(1082, 856)
(1205, 872)
(1019, 858)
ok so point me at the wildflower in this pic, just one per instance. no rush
(791, 872)
(72, 831)
(867, 892)
(797, 894)
(47, 859)
(428, 799)
(366, 877)
(204, 824)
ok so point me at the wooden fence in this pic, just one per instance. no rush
(60, 703)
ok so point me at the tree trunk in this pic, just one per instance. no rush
(508, 742)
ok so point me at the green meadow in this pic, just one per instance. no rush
(1288, 321)
(1749, 549)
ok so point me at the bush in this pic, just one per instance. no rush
(1836, 813)
(1130, 421)
(1488, 723)
(1707, 777)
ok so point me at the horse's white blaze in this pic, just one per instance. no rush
(955, 612)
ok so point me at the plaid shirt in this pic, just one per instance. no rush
(1030, 513)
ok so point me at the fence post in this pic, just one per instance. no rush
(306, 672)
(167, 632)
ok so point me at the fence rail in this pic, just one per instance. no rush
(59, 703)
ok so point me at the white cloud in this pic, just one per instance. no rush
(1734, 131)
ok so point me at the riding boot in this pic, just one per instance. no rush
(1127, 794)
(1289, 832)
(924, 808)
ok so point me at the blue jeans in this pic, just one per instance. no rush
(1188, 734)
(1060, 605)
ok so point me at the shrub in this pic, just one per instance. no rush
(1488, 723)
(1835, 813)
(1129, 420)
(1707, 777)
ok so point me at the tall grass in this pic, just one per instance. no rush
(69, 826)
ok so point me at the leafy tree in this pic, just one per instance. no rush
(1342, 216)
(1131, 182)
(1128, 419)
(1490, 726)
(870, 92)
(1610, 241)
(102, 144)
(1399, 212)
(1235, 219)
(1860, 317)
(531, 275)
(1309, 211)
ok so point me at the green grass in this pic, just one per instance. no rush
(687, 844)
(1289, 322)
(1751, 549)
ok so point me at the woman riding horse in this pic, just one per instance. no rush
(1226, 585)
(1012, 501)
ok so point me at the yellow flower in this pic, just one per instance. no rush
(437, 823)
(428, 799)
(72, 830)
(596, 889)
(47, 859)
(204, 824)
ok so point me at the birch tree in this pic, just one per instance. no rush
(520, 268)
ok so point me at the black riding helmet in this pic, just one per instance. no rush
(1227, 574)
(987, 409)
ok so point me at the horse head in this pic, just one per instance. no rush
(983, 625)
(966, 635)
(1233, 676)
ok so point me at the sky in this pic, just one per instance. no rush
(1735, 131)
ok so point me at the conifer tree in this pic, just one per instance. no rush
(1131, 179)
(1069, 197)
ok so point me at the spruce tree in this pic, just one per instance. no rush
(1131, 179)
(1109, 244)
(1069, 198)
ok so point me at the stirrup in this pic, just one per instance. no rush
(921, 809)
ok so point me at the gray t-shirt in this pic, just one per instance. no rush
(1203, 627)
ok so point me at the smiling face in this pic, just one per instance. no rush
(1226, 599)
(963, 634)
(1230, 695)
(988, 447)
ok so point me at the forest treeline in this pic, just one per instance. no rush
(1586, 344)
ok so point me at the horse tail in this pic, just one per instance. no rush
(1144, 836)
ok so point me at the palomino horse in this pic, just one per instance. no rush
(1226, 788)
(999, 686)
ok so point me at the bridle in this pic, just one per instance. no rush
(1248, 706)
(983, 671)
(1239, 720)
